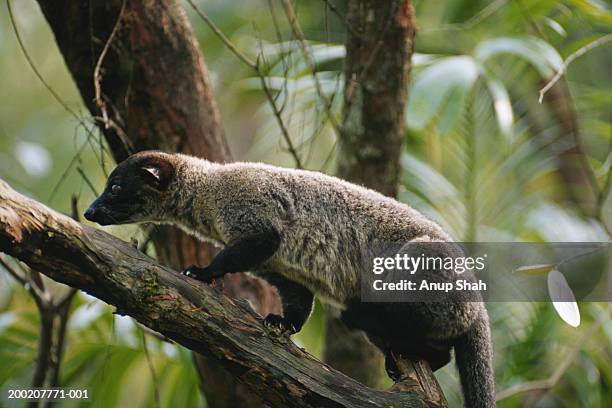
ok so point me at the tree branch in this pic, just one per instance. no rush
(577, 54)
(62, 310)
(43, 357)
(13, 272)
(193, 314)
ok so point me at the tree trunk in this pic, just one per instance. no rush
(377, 67)
(142, 75)
(574, 167)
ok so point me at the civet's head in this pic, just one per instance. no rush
(135, 191)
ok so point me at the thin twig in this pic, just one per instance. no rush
(32, 281)
(75, 158)
(277, 112)
(281, 124)
(255, 67)
(65, 299)
(55, 95)
(330, 156)
(97, 82)
(120, 132)
(152, 333)
(97, 77)
(529, 18)
(326, 24)
(342, 18)
(286, 65)
(62, 310)
(44, 352)
(476, 19)
(550, 382)
(44, 303)
(299, 35)
(222, 36)
(41, 298)
(87, 181)
(74, 208)
(38, 289)
(13, 272)
(578, 53)
(31, 62)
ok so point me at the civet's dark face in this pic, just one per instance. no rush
(135, 190)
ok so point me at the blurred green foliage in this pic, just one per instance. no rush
(481, 158)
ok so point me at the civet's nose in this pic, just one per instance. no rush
(90, 213)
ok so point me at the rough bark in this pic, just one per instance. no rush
(194, 315)
(153, 92)
(153, 79)
(377, 68)
(378, 54)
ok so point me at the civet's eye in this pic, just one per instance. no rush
(115, 189)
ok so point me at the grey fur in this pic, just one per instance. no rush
(218, 202)
(325, 225)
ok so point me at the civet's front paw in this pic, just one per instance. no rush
(279, 323)
(201, 274)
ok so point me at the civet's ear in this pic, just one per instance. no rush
(152, 173)
(157, 172)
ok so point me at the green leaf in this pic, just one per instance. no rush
(543, 56)
(438, 87)
(419, 60)
(502, 104)
(555, 26)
